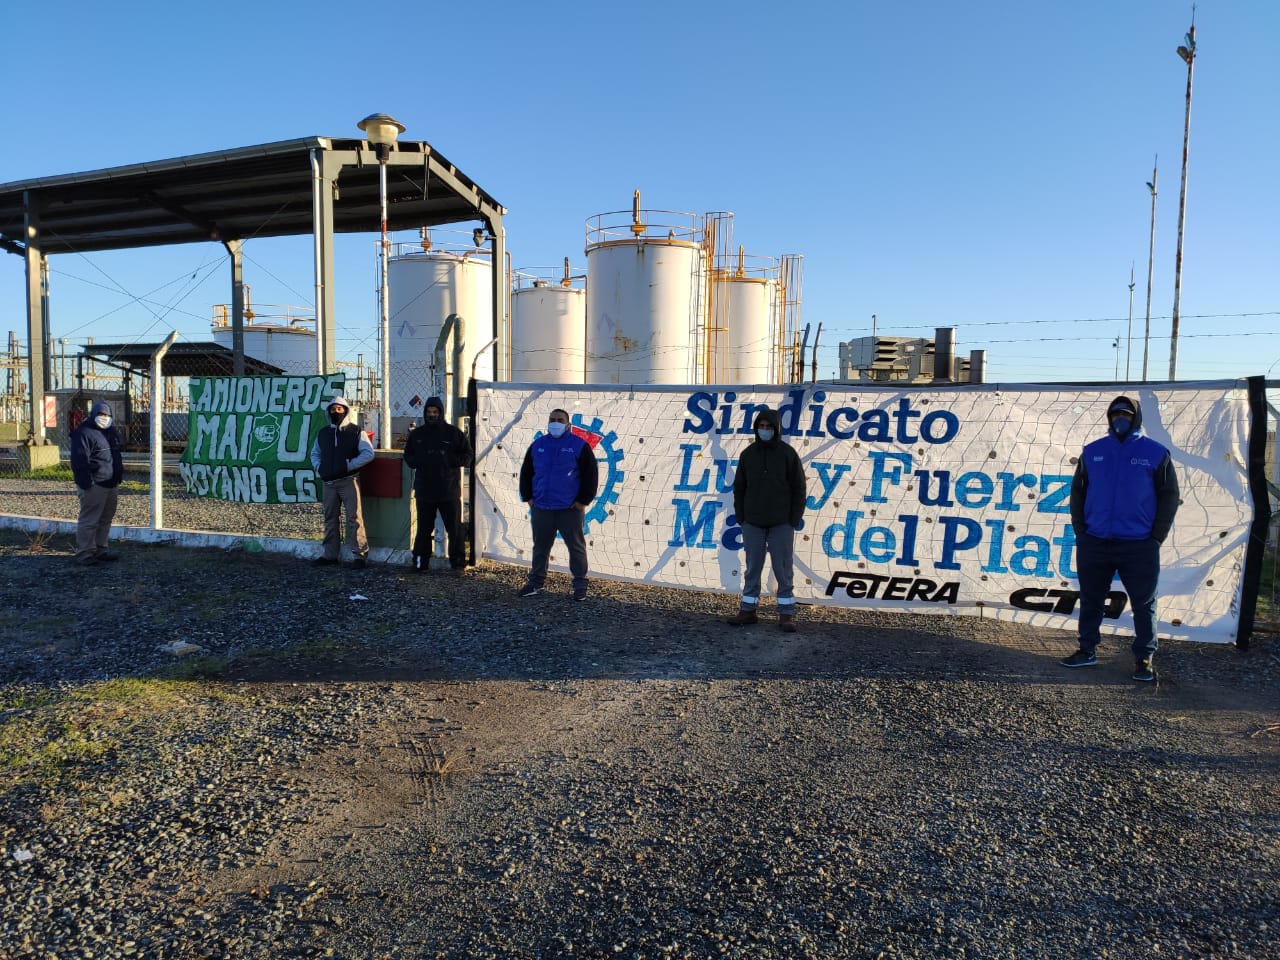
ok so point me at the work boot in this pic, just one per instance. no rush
(743, 618)
(787, 623)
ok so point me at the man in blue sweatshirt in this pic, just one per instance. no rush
(98, 468)
(1123, 499)
(558, 480)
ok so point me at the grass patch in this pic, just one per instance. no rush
(60, 472)
(49, 738)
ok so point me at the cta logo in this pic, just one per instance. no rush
(876, 586)
(1064, 601)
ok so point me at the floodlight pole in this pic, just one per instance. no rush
(1151, 261)
(1128, 350)
(382, 131)
(1187, 53)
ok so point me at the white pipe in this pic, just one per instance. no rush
(157, 432)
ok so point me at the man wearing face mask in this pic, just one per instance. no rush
(98, 468)
(768, 499)
(558, 480)
(436, 452)
(1123, 499)
(339, 452)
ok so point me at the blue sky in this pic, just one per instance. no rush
(981, 165)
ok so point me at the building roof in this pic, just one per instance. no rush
(184, 359)
(258, 191)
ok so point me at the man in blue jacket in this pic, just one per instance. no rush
(1123, 499)
(98, 468)
(558, 480)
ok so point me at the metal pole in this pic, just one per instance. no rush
(1188, 53)
(1128, 352)
(157, 431)
(1151, 261)
(384, 327)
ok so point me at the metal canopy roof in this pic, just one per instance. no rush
(184, 359)
(259, 191)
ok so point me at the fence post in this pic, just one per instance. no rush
(157, 432)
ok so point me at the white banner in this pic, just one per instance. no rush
(929, 501)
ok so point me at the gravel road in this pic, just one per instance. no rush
(444, 770)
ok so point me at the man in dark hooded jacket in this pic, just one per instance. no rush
(1123, 499)
(436, 452)
(769, 500)
(98, 468)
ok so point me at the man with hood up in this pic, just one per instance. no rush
(769, 500)
(339, 452)
(1123, 499)
(98, 469)
(436, 452)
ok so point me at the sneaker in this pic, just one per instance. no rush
(325, 562)
(743, 618)
(579, 593)
(1144, 671)
(1081, 658)
(529, 590)
(359, 563)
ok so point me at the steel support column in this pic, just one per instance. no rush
(236, 250)
(37, 318)
(325, 167)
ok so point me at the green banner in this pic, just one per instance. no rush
(249, 438)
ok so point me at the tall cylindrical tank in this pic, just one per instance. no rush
(745, 308)
(548, 333)
(644, 284)
(424, 288)
(292, 349)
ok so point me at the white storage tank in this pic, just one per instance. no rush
(644, 295)
(425, 287)
(277, 338)
(548, 331)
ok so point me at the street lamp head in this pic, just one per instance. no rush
(381, 129)
(1185, 54)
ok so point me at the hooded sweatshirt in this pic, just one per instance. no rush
(340, 450)
(769, 486)
(436, 452)
(1124, 487)
(95, 452)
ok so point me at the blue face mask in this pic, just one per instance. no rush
(765, 434)
(1121, 425)
(557, 429)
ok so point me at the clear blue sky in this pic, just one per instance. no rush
(980, 165)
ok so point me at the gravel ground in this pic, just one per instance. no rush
(443, 770)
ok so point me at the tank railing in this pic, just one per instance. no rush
(527, 277)
(657, 225)
(403, 250)
(747, 266)
(265, 315)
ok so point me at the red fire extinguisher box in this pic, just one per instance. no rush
(383, 476)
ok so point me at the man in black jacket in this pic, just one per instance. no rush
(436, 452)
(769, 501)
(98, 469)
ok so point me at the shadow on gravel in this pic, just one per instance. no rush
(269, 618)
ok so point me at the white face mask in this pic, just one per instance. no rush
(102, 420)
(556, 428)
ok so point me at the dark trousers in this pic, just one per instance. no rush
(546, 524)
(451, 514)
(1138, 564)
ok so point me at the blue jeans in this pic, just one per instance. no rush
(779, 543)
(1138, 564)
